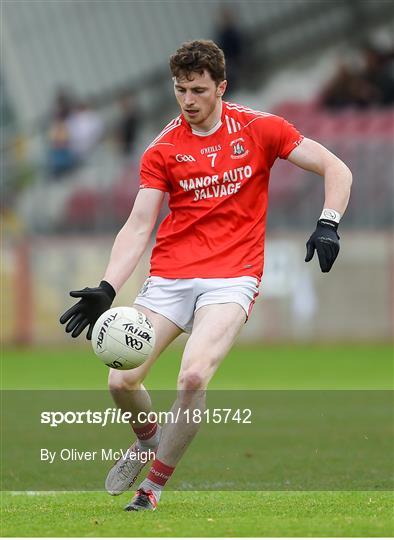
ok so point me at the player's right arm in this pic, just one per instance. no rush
(133, 237)
(127, 250)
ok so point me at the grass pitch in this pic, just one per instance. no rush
(206, 513)
(253, 367)
(202, 514)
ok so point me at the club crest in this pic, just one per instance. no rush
(238, 148)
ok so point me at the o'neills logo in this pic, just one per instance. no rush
(159, 474)
(238, 148)
(104, 328)
(144, 288)
(210, 149)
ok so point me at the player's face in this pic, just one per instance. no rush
(200, 99)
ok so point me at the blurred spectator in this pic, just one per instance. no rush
(348, 89)
(230, 39)
(127, 124)
(85, 130)
(63, 103)
(61, 158)
(379, 73)
(371, 85)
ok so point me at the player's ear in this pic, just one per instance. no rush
(221, 88)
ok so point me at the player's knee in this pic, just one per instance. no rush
(191, 380)
(191, 389)
(123, 382)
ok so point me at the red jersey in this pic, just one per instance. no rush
(218, 192)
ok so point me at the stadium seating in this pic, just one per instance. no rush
(363, 139)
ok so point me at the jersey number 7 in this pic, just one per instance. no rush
(213, 157)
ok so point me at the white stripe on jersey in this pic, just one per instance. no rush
(228, 124)
(255, 118)
(232, 125)
(165, 143)
(247, 110)
(176, 122)
(165, 129)
(241, 108)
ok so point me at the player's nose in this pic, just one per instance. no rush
(189, 98)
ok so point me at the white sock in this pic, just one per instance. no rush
(152, 442)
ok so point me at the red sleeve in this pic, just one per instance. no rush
(153, 171)
(289, 138)
(277, 137)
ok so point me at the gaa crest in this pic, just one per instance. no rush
(238, 146)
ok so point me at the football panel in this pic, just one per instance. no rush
(134, 358)
(101, 327)
(130, 342)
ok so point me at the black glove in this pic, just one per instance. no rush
(93, 303)
(325, 240)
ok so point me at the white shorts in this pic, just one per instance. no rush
(179, 299)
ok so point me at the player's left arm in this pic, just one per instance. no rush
(312, 156)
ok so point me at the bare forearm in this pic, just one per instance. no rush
(337, 183)
(125, 255)
(133, 238)
(312, 156)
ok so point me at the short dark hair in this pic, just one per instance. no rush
(197, 56)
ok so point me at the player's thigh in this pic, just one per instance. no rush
(166, 331)
(214, 331)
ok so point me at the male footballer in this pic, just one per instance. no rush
(214, 161)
